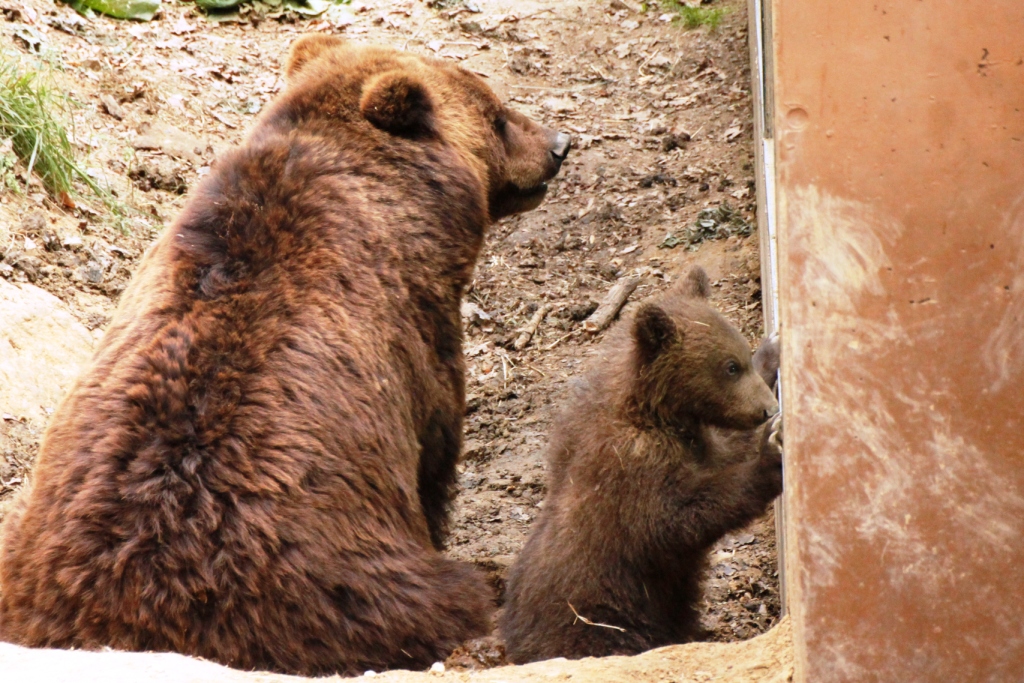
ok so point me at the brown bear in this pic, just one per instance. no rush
(258, 465)
(656, 456)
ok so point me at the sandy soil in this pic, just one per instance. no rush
(767, 658)
(662, 122)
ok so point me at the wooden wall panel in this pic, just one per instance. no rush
(899, 140)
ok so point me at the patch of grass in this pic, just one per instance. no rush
(8, 160)
(695, 17)
(31, 118)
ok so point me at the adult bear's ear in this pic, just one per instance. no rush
(696, 283)
(307, 48)
(653, 331)
(398, 102)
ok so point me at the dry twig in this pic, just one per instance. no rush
(531, 327)
(612, 304)
(558, 341)
(588, 622)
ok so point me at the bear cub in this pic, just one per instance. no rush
(662, 450)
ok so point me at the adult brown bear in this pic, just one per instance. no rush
(258, 465)
(657, 456)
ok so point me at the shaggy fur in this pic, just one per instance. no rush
(257, 467)
(654, 459)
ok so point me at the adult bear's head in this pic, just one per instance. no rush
(412, 96)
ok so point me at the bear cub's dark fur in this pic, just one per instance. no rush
(662, 450)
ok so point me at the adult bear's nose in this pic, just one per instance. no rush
(560, 146)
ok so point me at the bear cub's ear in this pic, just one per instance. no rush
(397, 102)
(307, 48)
(653, 331)
(696, 284)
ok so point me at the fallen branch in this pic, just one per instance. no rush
(612, 304)
(588, 622)
(531, 328)
(557, 342)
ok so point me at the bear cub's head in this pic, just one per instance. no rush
(692, 365)
(417, 97)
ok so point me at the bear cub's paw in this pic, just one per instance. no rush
(770, 460)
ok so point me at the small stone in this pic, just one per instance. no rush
(73, 242)
(473, 313)
(658, 179)
(519, 515)
(473, 404)
(471, 480)
(111, 106)
(159, 174)
(673, 141)
(437, 668)
(521, 64)
(29, 265)
(580, 312)
(521, 237)
(34, 223)
(559, 105)
(656, 127)
(155, 135)
(91, 272)
(50, 240)
(474, 449)
(682, 134)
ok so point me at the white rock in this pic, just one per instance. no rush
(471, 312)
(74, 242)
(559, 105)
(43, 348)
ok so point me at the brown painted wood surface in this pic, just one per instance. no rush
(899, 131)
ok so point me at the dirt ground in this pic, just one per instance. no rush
(767, 658)
(661, 118)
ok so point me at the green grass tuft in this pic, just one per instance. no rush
(30, 114)
(695, 17)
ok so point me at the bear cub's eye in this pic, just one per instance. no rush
(733, 368)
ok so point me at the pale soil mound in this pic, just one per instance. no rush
(765, 659)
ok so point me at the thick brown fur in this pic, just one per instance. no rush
(258, 466)
(656, 456)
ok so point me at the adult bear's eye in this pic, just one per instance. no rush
(733, 368)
